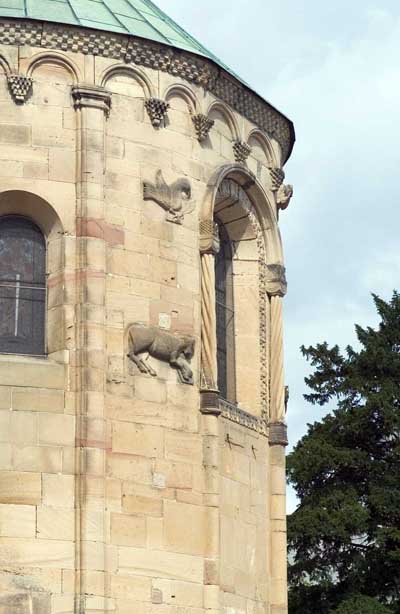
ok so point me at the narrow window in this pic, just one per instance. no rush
(225, 319)
(22, 287)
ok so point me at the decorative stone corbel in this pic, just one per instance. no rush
(172, 198)
(242, 151)
(284, 196)
(20, 87)
(157, 110)
(91, 96)
(276, 283)
(202, 125)
(277, 177)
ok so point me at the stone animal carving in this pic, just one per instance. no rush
(172, 197)
(284, 196)
(177, 350)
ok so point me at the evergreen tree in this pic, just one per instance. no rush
(344, 538)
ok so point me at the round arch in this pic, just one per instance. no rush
(230, 119)
(5, 65)
(34, 207)
(39, 211)
(265, 145)
(264, 209)
(184, 92)
(58, 59)
(137, 75)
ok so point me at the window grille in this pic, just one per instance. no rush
(22, 287)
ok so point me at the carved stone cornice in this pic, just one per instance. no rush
(20, 87)
(239, 416)
(91, 96)
(157, 110)
(202, 125)
(277, 177)
(158, 56)
(275, 279)
(241, 151)
(284, 196)
(278, 434)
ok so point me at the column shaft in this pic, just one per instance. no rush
(277, 442)
(91, 104)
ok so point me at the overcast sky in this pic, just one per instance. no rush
(334, 69)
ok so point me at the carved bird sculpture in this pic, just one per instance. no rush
(172, 197)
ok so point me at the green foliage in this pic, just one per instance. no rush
(344, 538)
(360, 604)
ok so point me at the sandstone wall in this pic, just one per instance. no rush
(116, 494)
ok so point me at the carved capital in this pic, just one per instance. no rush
(277, 177)
(173, 198)
(242, 151)
(209, 237)
(20, 87)
(202, 125)
(91, 96)
(157, 110)
(278, 434)
(209, 402)
(284, 196)
(276, 283)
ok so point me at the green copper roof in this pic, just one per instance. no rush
(136, 17)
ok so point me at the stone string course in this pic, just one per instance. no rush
(148, 54)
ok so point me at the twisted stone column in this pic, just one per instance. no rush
(209, 245)
(277, 413)
(208, 323)
(92, 105)
(277, 441)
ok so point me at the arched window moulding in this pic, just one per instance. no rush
(42, 214)
(238, 184)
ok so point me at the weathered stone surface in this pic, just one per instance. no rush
(117, 494)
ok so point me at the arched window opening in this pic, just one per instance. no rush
(225, 317)
(22, 287)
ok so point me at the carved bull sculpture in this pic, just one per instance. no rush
(177, 350)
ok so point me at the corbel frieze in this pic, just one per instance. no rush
(241, 151)
(277, 177)
(157, 110)
(20, 87)
(130, 50)
(202, 125)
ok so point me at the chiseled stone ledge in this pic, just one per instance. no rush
(232, 412)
